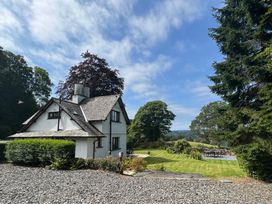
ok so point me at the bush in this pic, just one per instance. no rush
(136, 164)
(61, 164)
(256, 159)
(181, 146)
(2, 151)
(196, 155)
(39, 152)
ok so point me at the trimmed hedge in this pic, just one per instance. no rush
(2, 152)
(38, 152)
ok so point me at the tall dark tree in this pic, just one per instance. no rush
(17, 87)
(244, 78)
(95, 73)
(151, 122)
(244, 31)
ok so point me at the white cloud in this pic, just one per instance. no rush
(59, 31)
(155, 25)
(182, 110)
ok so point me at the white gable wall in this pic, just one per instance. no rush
(119, 129)
(45, 124)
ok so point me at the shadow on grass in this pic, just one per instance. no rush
(155, 160)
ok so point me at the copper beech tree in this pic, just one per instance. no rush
(95, 73)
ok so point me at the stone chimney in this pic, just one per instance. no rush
(80, 93)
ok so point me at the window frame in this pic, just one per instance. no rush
(115, 143)
(99, 142)
(53, 115)
(115, 116)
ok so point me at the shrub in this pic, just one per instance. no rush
(107, 164)
(195, 154)
(136, 164)
(61, 164)
(39, 152)
(256, 159)
(2, 151)
(79, 163)
(182, 146)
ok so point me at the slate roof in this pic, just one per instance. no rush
(98, 108)
(53, 134)
(91, 109)
(74, 111)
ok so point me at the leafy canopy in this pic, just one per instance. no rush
(95, 73)
(151, 122)
(22, 90)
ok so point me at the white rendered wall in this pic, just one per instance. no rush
(45, 124)
(119, 129)
(84, 148)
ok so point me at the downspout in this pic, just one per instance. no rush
(110, 135)
(94, 148)
(58, 129)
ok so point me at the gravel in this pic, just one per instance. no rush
(39, 185)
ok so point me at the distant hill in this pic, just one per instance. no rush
(187, 134)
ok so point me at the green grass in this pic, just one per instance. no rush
(182, 164)
(195, 144)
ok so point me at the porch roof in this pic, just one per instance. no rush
(56, 134)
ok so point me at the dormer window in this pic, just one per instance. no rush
(53, 115)
(115, 116)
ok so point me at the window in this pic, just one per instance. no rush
(99, 142)
(53, 115)
(115, 116)
(115, 143)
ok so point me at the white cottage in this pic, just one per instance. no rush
(98, 125)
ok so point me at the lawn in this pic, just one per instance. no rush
(182, 164)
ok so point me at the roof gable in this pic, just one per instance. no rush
(70, 109)
(98, 108)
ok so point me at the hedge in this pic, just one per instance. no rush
(38, 152)
(2, 151)
(256, 159)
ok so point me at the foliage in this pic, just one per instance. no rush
(136, 164)
(107, 164)
(195, 154)
(2, 151)
(182, 163)
(181, 134)
(42, 86)
(244, 78)
(60, 164)
(181, 146)
(256, 159)
(39, 152)
(214, 123)
(151, 122)
(244, 30)
(19, 87)
(95, 73)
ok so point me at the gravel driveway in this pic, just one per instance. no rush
(38, 185)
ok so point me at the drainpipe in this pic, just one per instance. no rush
(59, 115)
(110, 135)
(94, 148)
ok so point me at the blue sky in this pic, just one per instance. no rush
(161, 48)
